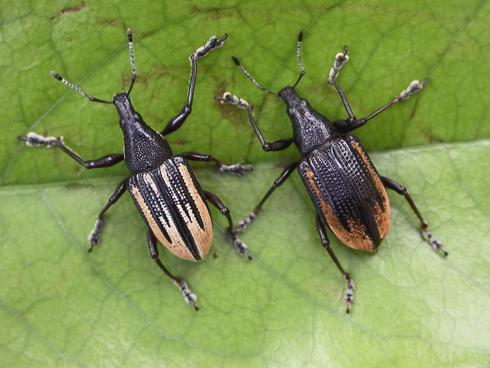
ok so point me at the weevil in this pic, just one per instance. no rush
(347, 191)
(161, 184)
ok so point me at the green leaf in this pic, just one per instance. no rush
(61, 306)
(391, 44)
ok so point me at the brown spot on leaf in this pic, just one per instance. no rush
(70, 10)
(180, 142)
(431, 138)
(109, 22)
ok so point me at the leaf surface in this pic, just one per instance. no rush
(63, 306)
(60, 306)
(391, 44)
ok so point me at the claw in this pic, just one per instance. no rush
(340, 60)
(93, 238)
(212, 44)
(35, 140)
(229, 98)
(240, 247)
(235, 169)
(414, 87)
(245, 223)
(189, 297)
(434, 243)
(349, 293)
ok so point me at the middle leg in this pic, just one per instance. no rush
(239, 246)
(233, 169)
(247, 221)
(94, 236)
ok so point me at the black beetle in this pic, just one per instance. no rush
(348, 193)
(162, 185)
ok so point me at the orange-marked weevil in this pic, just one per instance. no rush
(162, 185)
(348, 193)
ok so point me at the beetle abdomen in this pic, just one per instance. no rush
(171, 201)
(347, 190)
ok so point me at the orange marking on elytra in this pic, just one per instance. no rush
(356, 238)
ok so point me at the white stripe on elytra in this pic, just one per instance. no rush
(178, 198)
(177, 245)
(202, 238)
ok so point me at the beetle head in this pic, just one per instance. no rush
(123, 104)
(289, 96)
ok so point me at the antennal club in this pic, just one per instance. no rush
(247, 74)
(77, 89)
(300, 61)
(131, 60)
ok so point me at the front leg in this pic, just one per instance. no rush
(232, 169)
(239, 246)
(278, 145)
(35, 140)
(94, 236)
(177, 121)
(352, 122)
(435, 244)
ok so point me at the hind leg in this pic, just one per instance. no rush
(435, 244)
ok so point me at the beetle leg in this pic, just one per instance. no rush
(278, 145)
(435, 244)
(233, 169)
(340, 60)
(352, 123)
(35, 140)
(349, 292)
(239, 246)
(94, 236)
(247, 221)
(177, 121)
(189, 297)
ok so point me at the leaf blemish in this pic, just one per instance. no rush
(70, 10)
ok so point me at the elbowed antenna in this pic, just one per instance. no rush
(299, 48)
(77, 89)
(131, 60)
(247, 74)
(94, 99)
(300, 61)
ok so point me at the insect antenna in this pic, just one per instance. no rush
(131, 60)
(77, 89)
(247, 74)
(300, 61)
